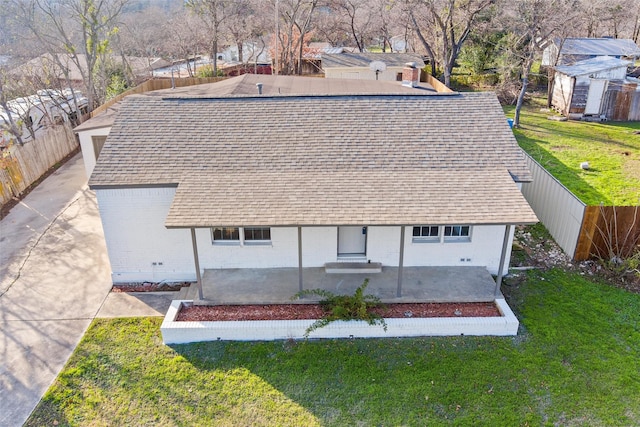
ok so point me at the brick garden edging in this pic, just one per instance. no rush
(174, 332)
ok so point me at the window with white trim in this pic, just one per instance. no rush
(241, 235)
(426, 233)
(226, 234)
(257, 234)
(457, 233)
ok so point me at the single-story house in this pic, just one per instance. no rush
(64, 67)
(570, 50)
(596, 88)
(280, 171)
(368, 66)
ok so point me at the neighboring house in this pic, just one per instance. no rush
(252, 52)
(65, 69)
(596, 88)
(571, 50)
(368, 66)
(282, 171)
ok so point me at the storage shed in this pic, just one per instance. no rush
(596, 88)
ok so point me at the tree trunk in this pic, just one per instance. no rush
(425, 44)
(215, 54)
(447, 76)
(526, 69)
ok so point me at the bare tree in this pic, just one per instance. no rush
(329, 26)
(185, 36)
(356, 18)
(611, 18)
(295, 19)
(213, 13)
(9, 120)
(532, 24)
(81, 29)
(387, 22)
(445, 27)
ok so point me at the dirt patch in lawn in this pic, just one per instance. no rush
(314, 311)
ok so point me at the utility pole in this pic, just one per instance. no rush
(277, 53)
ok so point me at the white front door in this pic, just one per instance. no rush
(352, 240)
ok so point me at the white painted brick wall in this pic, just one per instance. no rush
(133, 221)
(86, 146)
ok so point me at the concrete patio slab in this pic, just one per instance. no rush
(419, 284)
(136, 304)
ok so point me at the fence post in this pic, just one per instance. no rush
(587, 233)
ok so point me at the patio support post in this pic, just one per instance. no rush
(503, 256)
(299, 259)
(197, 262)
(400, 262)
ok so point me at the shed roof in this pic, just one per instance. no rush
(389, 158)
(592, 65)
(363, 59)
(599, 47)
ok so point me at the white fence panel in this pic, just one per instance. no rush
(559, 209)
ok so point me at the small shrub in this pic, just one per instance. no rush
(207, 71)
(345, 307)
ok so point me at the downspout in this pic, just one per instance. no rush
(400, 262)
(503, 256)
(197, 262)
(299, 259)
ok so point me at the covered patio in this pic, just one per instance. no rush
(279, 285)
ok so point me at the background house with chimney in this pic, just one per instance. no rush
(368, 66)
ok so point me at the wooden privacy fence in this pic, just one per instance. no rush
(20, 166)
(581, 231)
(621, 102)
(608, 232)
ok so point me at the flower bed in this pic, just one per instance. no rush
(178, 332)
(314, 311)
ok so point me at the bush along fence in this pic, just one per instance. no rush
(22, 165)
(583, 232)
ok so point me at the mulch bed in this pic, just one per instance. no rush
(314, 311)
(148, 287)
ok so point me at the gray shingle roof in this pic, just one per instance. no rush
(599, 47)
(349, 197)
(363, 59)
(593, 65)
(443, 158)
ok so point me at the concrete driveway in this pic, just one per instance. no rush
(54, 278)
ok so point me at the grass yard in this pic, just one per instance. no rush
(611, 148)
(576, 361)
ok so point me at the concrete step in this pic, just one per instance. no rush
(192, 292)
(353, 267)
(182, 293)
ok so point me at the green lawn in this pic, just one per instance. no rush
(576, 361)
(611, 148)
